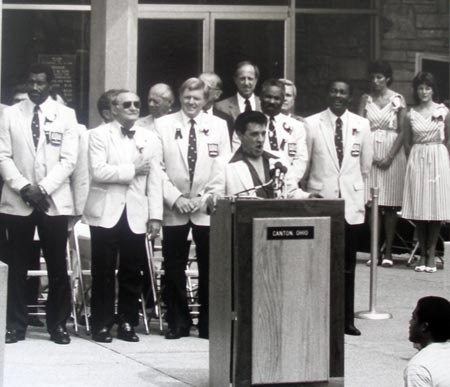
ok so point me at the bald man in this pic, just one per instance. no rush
(214, 83)
(160, 101)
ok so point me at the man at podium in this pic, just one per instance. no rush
(251, 171)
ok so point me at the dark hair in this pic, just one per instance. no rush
(105, 100)
(246, 63)
(425, 78)
(41, 68)
(272, 83)
(336, 80)
(435, 311)
(246, 118)
(382, 67)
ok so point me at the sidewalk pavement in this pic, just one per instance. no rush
(375, 359)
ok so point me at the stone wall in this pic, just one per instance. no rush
(409, 27)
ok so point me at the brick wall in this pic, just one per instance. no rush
(409, 27)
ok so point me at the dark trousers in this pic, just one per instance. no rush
(176, 252)
(52, 232)
(107, 245)
(352, 232)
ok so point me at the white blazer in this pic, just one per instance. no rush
(324, 174)
(114, 184)
(50, 165)
(212, 141)
(229, 178)
(79, 180)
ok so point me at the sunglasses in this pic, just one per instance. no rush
(127, 104)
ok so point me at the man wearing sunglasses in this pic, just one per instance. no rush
(124, 202)
(191, 140)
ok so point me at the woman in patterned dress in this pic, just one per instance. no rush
(426, 196)
(386, 111)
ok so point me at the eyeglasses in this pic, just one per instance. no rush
(127, 104)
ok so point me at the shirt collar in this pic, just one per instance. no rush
(241, 100)
(185, 119)
(333, 117)
(239, 156)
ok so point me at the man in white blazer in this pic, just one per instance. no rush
(250, 170)
(191, 140)
(340, 151)
(38, 152)
(245, 78)
(284, 134)
(124, 202)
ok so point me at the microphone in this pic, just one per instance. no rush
(249, 190)
(279, 173)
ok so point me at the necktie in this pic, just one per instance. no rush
(192, 150)
(248, 107)
(127, 132)
(338, 140)
(272, 135)
(35, 127)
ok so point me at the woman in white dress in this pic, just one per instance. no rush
(426, 195)
(386, 111)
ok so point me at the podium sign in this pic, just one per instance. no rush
(291, 267)
(277, 293)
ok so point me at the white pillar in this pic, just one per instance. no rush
(113, 52)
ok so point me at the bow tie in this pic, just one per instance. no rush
(127, 132)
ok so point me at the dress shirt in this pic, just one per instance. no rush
(241, 102)
(333, 117)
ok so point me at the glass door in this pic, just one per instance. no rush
(176, 42)
(171, 45)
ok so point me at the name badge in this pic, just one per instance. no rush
(356, 150)
(213, 150)
(292, 149)
(56, 138)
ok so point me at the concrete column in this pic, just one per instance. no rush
(113, 52)
(3, 292)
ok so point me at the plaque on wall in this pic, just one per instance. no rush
(64, 69)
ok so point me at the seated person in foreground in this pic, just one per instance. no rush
(429, 330)
(252, 171)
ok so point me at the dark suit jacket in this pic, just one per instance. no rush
(229, 120)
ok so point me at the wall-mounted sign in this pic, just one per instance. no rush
(292, 232)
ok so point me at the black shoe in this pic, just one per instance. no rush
(59, 335)
(126, 332)
(11, 336)
(173, 334)
(35, 321)
(351, 330)
(102, 336)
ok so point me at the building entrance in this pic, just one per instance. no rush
(176, 42)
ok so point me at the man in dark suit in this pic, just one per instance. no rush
(38, 153)
(214, 83)
(245, 78)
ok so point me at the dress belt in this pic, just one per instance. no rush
(428, 143)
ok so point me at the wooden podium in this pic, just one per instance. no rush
(277, 293)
